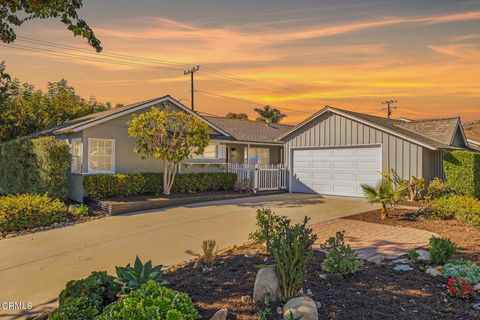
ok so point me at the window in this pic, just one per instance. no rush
(210, 151)
(76, 149)
(101, 155)
(258, 155)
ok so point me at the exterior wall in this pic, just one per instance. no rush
(332, 130)
(433, 167)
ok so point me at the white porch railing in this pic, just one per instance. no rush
(261, 177)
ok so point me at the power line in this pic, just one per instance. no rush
(389, 107)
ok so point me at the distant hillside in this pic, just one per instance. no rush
(472, 130)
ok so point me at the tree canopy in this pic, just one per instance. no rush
(270, 115)
(25, 110)
(172, 136)
(14, 13)
(233, 115)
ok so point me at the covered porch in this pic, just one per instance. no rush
(250, 153)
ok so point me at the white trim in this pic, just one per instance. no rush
(146, 105)
(381, 128)
(90, 170)
(81, 154)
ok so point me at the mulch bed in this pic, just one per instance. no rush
(375, 292)
(465, 236)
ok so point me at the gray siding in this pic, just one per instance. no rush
(332, 130)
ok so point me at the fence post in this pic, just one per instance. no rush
(255, 180)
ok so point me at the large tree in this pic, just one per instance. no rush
(25, 110)
(270, 115)
(14, 13)
(171, 136)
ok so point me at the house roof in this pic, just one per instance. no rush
(248, 130)
(79, 124)
(431, 133)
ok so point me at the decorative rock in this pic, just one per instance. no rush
(476, 306)
(303, 307)
(402, 260)
(434, 272)
(423, 255)
(323, 276)
(197, 264)
(10, 235)
(251, 253)
(477, 287)
(220, 315)
(245, 299)
(377, 259)
(402, 267)
(309, 292)
(279, 310)
(318, 304)
(266, 282)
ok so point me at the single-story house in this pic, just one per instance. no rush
(100, 143)
(334, 151)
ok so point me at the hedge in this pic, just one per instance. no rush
(462, 172)
(103, 186)
(18, 212)
(40, 165)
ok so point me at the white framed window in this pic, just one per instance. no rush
(210, 151)
(76, 150)
(258, 155)
(213, 151)
(101, 155)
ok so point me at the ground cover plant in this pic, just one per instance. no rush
(340, 258)
(465, 208)
(441, 249)
(131, 278)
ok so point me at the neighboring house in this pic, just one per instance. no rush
(472, 131)
(100, 143)
(334, 151)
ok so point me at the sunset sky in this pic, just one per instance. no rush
(296, 55)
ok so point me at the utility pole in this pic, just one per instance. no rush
(191, 72)
(389, 107)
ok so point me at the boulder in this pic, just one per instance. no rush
(433, 272)
(377, 259)
(251, 253)
(302, 307)
(266, 282)
(423, 255)
(402, 267)
(220, 315)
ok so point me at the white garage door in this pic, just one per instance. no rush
(336, 171)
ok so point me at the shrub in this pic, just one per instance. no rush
(441, 249)
(268, 224)
(152, 302)
(18, 212)
(39, 166)
(413, 256)
(291, 247)
(86, 298)
(131, 278)
(460, 288)
(463, 269)
(209, 248)
(462, 171)
(465, 208)
(130, 184)
(340, 258)
(436, 189)
(80, 210)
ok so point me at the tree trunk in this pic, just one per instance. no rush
(166, 185)
(383, 212)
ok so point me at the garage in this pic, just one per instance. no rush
(335, 171)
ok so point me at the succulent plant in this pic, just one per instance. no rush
(132, 278)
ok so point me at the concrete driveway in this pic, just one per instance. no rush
(34, 268)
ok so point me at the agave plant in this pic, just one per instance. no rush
(385, 194)
(132, 278)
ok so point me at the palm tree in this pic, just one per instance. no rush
(270, 115)
(385, 194)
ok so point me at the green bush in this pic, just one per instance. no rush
(465, 208)
(436, 189)
(80, 210)
(268, 224)
(84, 299)
(152, 302)
(18, 212)
(291, 248)
(131, 278)
(340, 258)
(462, 171)
(130, 184)
(39, 166)
(463, 269)
(441, 249)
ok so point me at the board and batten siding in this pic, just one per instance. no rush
(332, 130)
